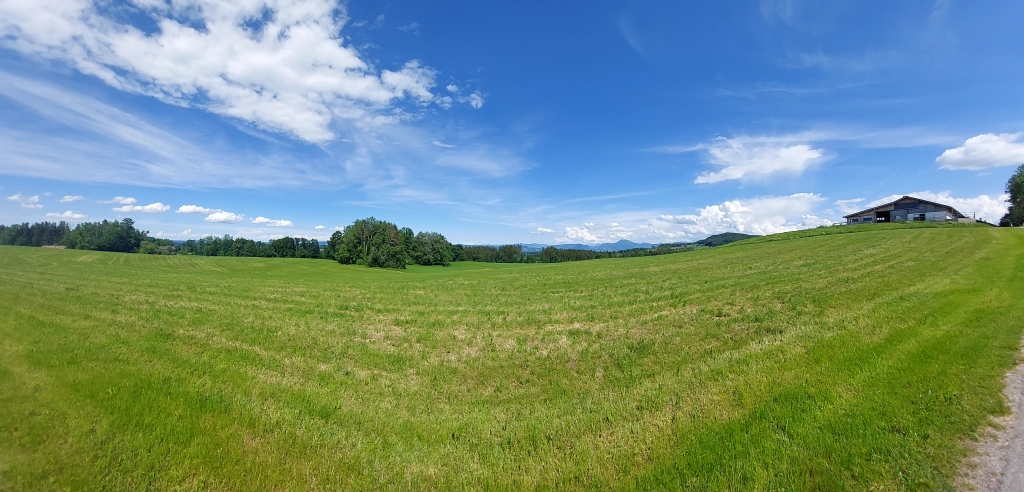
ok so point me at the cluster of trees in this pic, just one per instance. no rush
(285, 247)
(38, 234)
(378, 243)
(118, 236)
(1015, 188)
(369, 242)
(509, 253)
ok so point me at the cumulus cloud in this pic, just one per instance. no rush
(196, 209)
(761, 215)
(578, 235)
(985, 151)
(122, 200)
(26, 201)
(476, 100)
(67, 215)
(70, 198)
(543, 230)
(272, 222)
(746, 158)
(152, 208)
(982, 206)
(319, 227)
(280, 65)
(224, 217)
(454, 89)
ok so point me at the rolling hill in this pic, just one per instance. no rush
(855, 360)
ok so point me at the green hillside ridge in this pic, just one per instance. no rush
(838, 361)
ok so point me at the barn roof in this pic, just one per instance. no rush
(904, 197)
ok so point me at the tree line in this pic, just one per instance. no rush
(38, 234)
(370, 242)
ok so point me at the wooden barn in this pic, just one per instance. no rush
(907, 209)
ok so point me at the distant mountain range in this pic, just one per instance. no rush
(624, 244)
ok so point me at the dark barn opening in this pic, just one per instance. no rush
(882, 216)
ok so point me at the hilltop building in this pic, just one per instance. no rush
(907, 209)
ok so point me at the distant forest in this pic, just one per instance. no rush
(370, 242)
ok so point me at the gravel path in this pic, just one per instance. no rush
(998, 465)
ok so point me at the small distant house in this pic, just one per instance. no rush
(908, 209)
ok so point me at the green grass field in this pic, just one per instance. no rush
(839, 361)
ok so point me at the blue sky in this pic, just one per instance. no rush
(539, 122)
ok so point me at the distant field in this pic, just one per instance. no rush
(841, 361)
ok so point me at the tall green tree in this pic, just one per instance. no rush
(431, 248)
(333, 246)
(1015, 188)
(373, 243)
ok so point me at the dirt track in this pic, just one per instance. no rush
(999, 462)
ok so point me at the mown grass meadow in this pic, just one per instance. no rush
(839, 361)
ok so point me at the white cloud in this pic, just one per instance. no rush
(543, 230)
(476, 100)
(26, 201)
(196, 209)
(849, 206)
(152, 208)
(412, 79)
(442, 144)
(985, 151)
(747, 157)
(122, 200)
(224, 217)
(291, 73)
(319, 227)
(67, 215)
(454, 89)
(982, 206)
(588, 224)
(70, 198)
(272, 222)
(761, 215)
(578, 235)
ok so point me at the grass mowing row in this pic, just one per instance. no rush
(842, 361)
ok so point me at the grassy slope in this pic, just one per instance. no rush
(842, 361)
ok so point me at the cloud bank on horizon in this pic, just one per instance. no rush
(324, 112)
